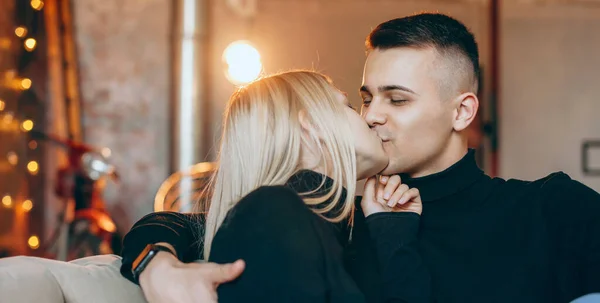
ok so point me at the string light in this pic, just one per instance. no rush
(20, 31)
(27, 125)
(7, 121)
(12, 157)
(32, 167)
(37, 4)
(25, 83)
(27, 205)
(7, 201)
(33, 242)
(30, 44)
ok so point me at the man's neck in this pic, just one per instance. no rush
(442, 162)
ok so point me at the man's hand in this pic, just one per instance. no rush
(388, 194)
(166, 279)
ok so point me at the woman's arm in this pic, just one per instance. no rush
(393, 228)
(181, 232)
(167, 278)
(404, 276)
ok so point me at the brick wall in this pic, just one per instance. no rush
(123, 49)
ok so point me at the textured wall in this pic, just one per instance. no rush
(123, 49)
(550, 75)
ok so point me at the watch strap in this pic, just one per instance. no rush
(144, 258)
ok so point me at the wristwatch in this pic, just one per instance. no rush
(145, 257)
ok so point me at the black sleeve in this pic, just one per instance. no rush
(360, 258)
(182, 231)
(404, 276)
(573, 213)
(591, 251)
(591, 267)
(282, 244)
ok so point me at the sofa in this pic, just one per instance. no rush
(93, 279)
(88, 280)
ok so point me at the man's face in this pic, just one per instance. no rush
(403, 104)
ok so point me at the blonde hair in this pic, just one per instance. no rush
(262, 139)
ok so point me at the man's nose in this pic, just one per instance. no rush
(373, 115)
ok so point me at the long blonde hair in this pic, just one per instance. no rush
(262, 141)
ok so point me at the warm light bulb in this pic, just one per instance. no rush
(12, 157)
(20, 31)
(7, 201)
(25, 83)
(27, 125)
(242, 61)
(2, 105)
(37, 4)
(240, 51)
(27, 205)
(32, 167)
(32, 144)
(244, 73)
(33, 242)
(30, 44)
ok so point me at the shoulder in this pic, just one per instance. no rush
(561, 185)
(267, 215)
(277, 195)
(268, 202)
(561, 188)
(556, 183)
(562, 196)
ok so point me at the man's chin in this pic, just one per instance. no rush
(390, 170)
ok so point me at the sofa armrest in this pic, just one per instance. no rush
(23, 281)
(91, 279)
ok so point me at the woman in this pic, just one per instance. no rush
(290, 141)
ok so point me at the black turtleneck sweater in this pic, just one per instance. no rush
(480, 239)
(492, 240)
(294, 255)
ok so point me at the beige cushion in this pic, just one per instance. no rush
(89, 280)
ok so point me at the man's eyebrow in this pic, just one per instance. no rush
(385, 88)
(396, 87)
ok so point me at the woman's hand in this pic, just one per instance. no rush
(388, 194)
(167, 279)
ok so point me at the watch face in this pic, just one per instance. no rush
(145, 257)
(142, 260)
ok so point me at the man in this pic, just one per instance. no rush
(482, 239)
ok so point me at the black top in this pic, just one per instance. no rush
(481, 239)
(492, 240)
(294, 255)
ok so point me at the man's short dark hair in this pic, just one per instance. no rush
(445, 34)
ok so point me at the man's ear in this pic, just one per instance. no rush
(467, 105)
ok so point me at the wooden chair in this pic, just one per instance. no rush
(181, 190)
